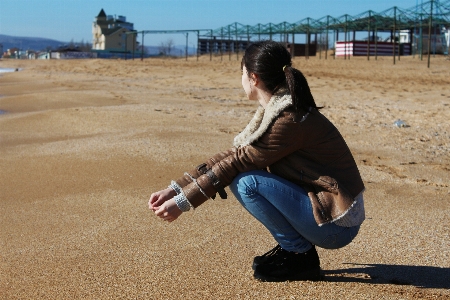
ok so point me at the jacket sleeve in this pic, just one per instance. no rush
(280, 139)
(195, 173)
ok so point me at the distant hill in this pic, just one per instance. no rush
(28, 43)
(39, 44)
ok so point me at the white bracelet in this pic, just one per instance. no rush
(182, 202)
(176, 187)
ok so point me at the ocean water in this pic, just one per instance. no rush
(7, 70)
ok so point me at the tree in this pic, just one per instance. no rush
(71, 44)
(166, 47)
(84, 46)
(322, 43)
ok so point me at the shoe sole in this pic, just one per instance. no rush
(311, 275)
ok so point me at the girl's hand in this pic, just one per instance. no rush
(158, 198)
(168, 211)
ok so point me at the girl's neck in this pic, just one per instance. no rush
(264, 98)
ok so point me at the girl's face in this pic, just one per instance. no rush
(247, 83)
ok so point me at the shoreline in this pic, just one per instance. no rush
(8, 70)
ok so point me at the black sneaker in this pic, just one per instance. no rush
(267, 257)
(287, 265)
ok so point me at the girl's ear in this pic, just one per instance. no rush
(254, 78)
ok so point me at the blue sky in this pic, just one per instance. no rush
(67, 20)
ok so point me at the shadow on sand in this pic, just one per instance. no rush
(418, 276)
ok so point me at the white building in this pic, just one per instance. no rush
(110, 33)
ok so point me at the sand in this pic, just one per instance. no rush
(85, 142)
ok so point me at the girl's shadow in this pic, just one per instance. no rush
(419, 276)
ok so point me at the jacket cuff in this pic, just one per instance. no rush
(186, 179)
(197, 192)
(195, 173)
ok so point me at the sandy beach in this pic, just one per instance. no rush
(83, 144)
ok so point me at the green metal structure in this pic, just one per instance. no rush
(427, 15)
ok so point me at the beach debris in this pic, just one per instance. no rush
(400, 123)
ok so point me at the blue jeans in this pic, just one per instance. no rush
(284, 208)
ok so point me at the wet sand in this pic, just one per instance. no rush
(85, 142)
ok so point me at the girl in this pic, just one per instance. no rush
(290, 168)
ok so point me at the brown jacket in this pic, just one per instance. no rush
(306, 149)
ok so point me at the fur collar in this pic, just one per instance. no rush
(262, 119)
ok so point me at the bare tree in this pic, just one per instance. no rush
(84, 46)
(71, 44)
(322, 43)
(166, 47)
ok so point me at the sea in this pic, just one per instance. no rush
(7, 70)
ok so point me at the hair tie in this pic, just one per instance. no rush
(285, 67)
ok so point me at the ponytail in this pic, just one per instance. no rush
(302, 98)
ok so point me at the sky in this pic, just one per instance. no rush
(71, 20)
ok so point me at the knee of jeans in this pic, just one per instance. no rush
(234, 186)
(241, 183)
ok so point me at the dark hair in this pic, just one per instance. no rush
(272, 63)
